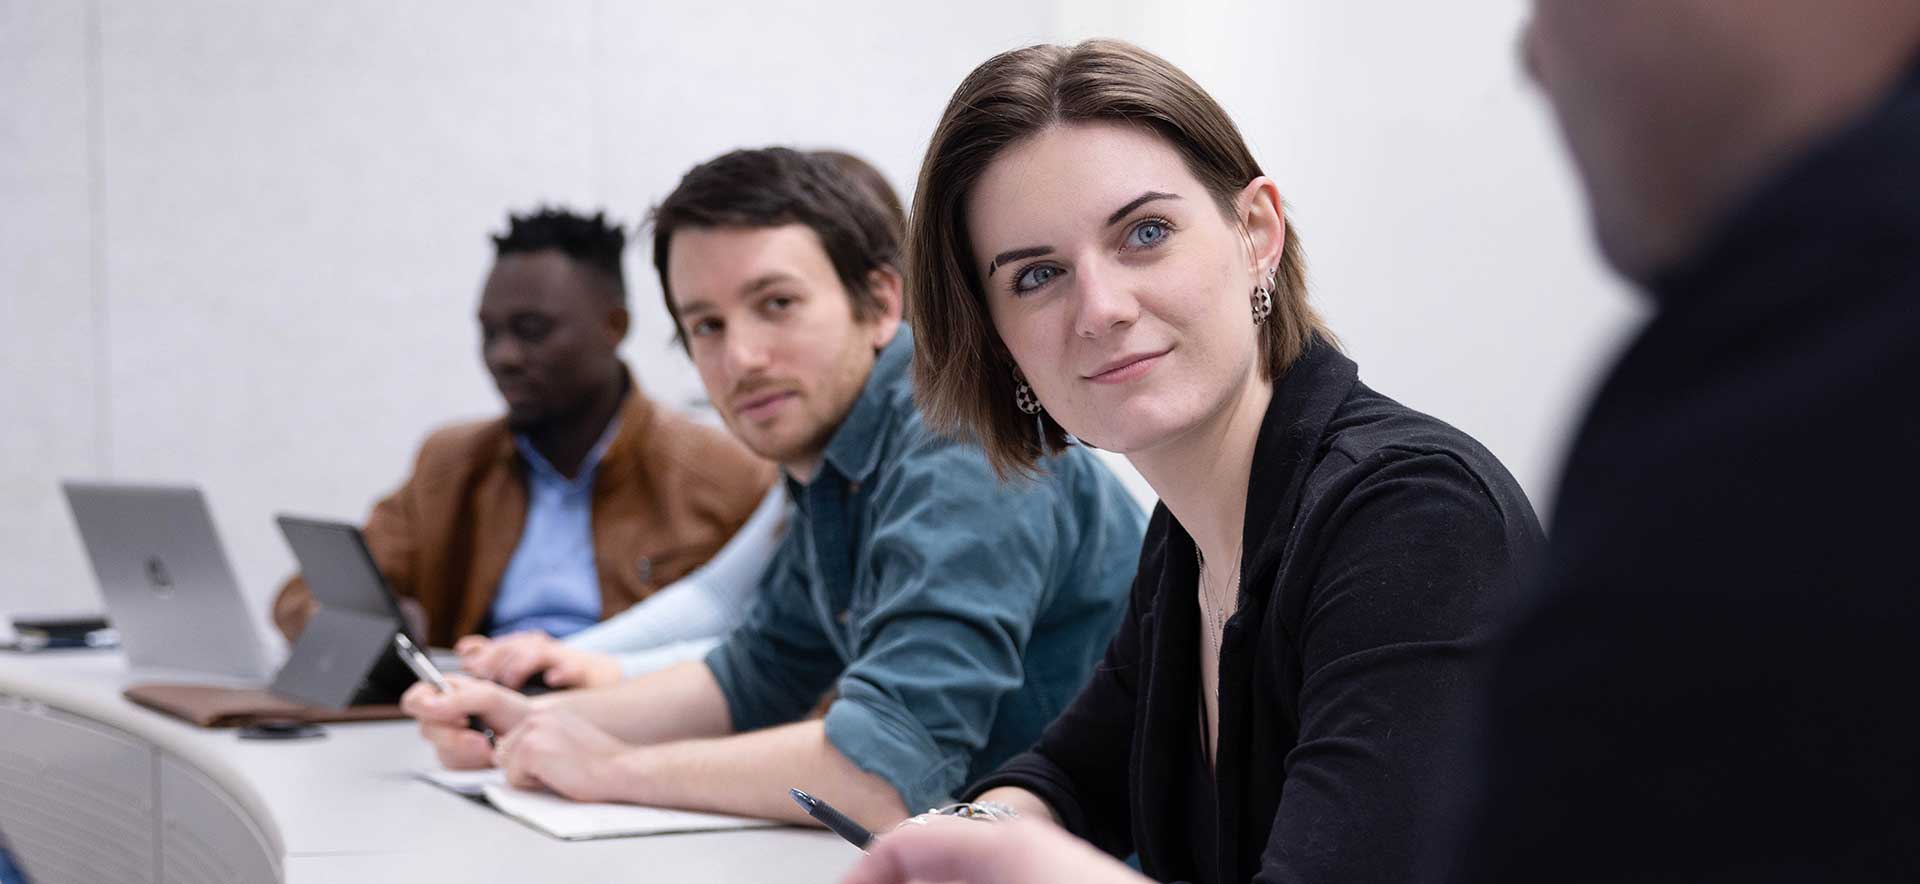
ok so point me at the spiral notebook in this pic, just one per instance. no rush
(577, 820)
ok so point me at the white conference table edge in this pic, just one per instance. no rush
(68, 681)
(405, 824)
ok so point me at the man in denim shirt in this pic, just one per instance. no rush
(951, 614)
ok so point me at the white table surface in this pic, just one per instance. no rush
(346, 807)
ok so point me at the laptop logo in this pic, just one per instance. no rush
(158, 578)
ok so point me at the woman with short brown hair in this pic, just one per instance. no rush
(1094, 255)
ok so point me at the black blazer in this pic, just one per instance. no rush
(1382, 548)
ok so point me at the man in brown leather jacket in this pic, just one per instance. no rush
(586, 496)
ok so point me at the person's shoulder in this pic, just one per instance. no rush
(1370, 427)
(903, 435)
(1368, 422)
(1373, 436)
(680, 434)
(679, 444)
(466, 435)
(903, 417)
(460, 447)
(914, 464)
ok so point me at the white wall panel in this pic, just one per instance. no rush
(49, 393)
(300, 197)
(292, 204)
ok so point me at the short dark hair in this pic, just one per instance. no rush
(864, 173)
(593, 242)
(777, 186)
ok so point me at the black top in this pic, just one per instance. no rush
(1721, 682)
(1381, 546)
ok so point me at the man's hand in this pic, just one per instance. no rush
(562, 752)
(512, 659)
(968, 852)
(443, 718)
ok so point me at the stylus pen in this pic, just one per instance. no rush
(429, 673)
(856, 834)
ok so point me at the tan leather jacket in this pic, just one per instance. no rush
(669, 492)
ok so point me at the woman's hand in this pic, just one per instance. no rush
(968, 852)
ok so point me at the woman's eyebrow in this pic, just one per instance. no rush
(1015, 255)
(1136, 203)
(1032, 251)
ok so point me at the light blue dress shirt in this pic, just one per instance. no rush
(686, 619)
(551, 583)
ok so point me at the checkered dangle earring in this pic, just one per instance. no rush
(1263, 297)
(1028, 403)
(1023, 394)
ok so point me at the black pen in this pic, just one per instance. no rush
(856, 834)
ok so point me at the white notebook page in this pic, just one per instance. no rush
(575, 820)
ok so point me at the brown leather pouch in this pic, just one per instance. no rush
(209, 706)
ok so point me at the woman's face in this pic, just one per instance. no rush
(1122, 292)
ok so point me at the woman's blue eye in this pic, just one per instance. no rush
(1148, 233)
(1035, 277)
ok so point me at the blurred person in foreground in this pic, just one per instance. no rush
(1715, 683)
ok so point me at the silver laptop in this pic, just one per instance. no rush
(166, 583)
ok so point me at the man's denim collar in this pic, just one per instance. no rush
(854, 450)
